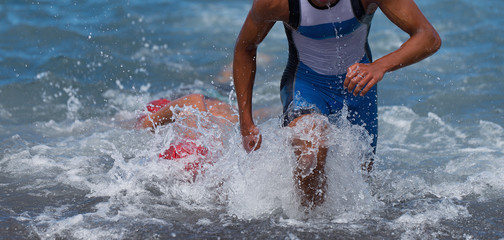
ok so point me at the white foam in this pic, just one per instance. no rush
(53, 217)
(123, 166)
(425, 215)
(4, 113)
(204, 221)
(492, 134)
(434, 165)
(264, 179)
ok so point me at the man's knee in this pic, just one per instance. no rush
(309, 141)
(310, 127)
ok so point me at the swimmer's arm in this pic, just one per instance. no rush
(161, 117)
(165, 114)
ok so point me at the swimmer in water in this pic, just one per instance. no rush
(217, 113)
(162, 111)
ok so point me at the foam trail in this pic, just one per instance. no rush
(263, 182)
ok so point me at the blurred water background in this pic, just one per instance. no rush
(73, 72)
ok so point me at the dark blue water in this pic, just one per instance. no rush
(73, 74)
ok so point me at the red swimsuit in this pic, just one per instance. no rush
(183, 148)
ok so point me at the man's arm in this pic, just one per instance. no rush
(423, 42)
(258, 23)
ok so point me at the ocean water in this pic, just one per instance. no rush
(75, 74)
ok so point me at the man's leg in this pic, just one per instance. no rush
(311, 152)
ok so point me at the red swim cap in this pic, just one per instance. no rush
(184, 149)
(155, 105)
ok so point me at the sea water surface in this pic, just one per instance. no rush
(75, 74)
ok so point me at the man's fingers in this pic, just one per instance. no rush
(361, 77)
(354, 82)
(254, 145)
(368, 87)
(252, 142)
(347, 81)
(363, 82)
(352, 71)
(258, 143)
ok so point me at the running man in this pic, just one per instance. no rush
(329, 66)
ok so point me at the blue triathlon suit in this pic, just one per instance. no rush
(323, 43)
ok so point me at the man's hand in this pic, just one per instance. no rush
(251, 138)
(360, 75)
